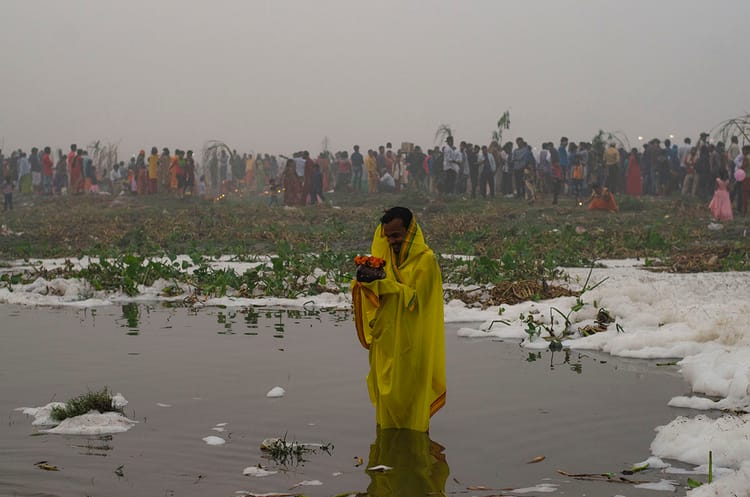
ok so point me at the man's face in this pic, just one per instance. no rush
(395, 232)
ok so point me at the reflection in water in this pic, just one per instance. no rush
(228, 320)
(251, 318)
(131, 315)
(419, 465)
(575, 364)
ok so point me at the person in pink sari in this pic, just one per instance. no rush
(721, 205)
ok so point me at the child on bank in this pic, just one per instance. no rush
(273, 192)
(7, 195)
(577, 177)
(528, 181)
(202, 187)
(721, 205)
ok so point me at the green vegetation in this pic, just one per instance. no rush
(292, 453)
(90, 401)
(311, 249)
(525, 239)
(691, 483)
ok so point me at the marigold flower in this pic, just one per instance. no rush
(369, 261)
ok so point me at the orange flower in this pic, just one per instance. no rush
(369, 261)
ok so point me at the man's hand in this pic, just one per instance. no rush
(366, 274)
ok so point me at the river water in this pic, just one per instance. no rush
(185, 372)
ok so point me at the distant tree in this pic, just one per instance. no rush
(502, 124)
(443, 132)
(103, 155)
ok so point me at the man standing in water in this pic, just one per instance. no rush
(399, 318)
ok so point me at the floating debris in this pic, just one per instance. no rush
(46, 466)
(213, 440)
(608, 477)
(257, 471)
(308, 483)
(276, 392)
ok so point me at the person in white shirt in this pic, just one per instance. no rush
(682, 154)
(299, 164)
(115, 179)
(387, 183)
(734, 149)
(487, 172)
(451, 165)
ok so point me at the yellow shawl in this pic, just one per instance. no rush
(400, 320)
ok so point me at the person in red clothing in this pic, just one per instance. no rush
(602, 199)
(344, 177)
(634, 182)
(76, 173)
(48, 171)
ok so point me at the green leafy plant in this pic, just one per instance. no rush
(292, 453)
(90, 401)
(691, 483)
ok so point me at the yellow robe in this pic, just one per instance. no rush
(400, 320)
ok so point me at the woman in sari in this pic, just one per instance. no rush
(174, 172)
(291, 183)
(76, 173)
(634, 183)
(141, 173)
(373, 178)
(24, 174)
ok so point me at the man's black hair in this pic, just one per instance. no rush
(401, 213)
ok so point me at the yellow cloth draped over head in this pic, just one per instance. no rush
(400, 320)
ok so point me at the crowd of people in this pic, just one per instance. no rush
(581, 170)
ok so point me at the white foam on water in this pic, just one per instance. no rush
(276, 392)
(257, 472)
(662, 485)
(213, 440)
(42, 415)
(93, 423)
(544, 488)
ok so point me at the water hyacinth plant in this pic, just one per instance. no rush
(100, 400)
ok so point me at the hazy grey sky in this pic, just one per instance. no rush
(277, 76)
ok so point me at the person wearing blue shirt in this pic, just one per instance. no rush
(357, 164)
